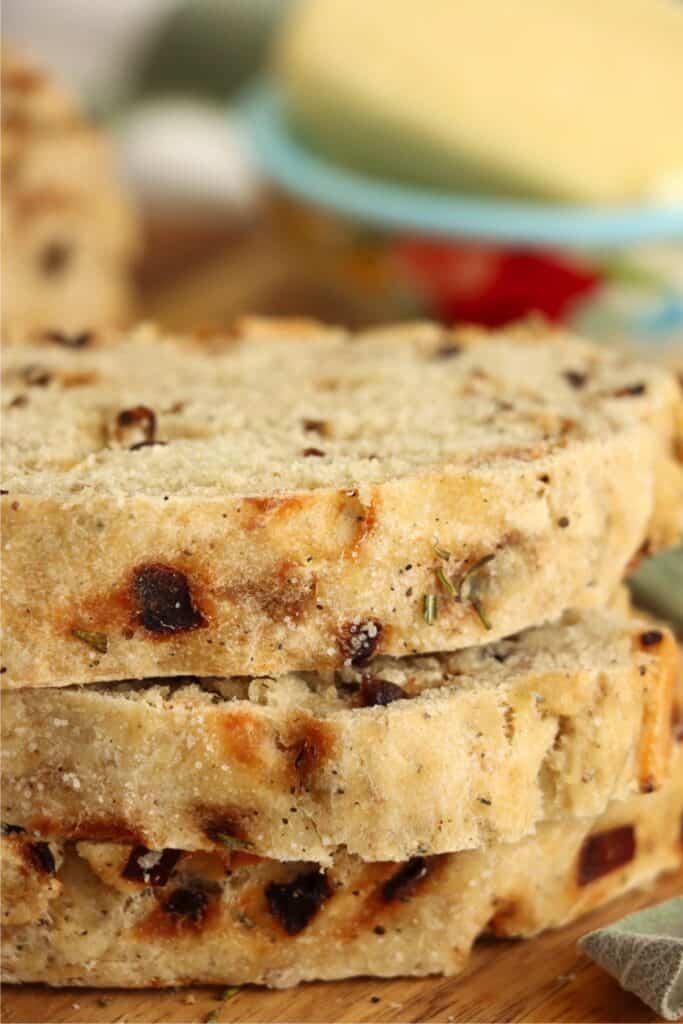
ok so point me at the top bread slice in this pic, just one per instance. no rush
(69, 230)
(293, 498)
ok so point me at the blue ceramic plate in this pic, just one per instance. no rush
(297, 169)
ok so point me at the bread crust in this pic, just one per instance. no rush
(184, 920)
(451, 751)
(282, 554)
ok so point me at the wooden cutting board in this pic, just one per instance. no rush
(542, 979)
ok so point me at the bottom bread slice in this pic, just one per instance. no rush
(110, 915)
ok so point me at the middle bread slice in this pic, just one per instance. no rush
(414, 756)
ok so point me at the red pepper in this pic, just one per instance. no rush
(490, 286)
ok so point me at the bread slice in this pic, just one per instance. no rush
(494, 98)
(123, 916)
(69, 232)
(295, 498)
(419, 755)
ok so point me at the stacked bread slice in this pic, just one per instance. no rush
(69, 233)
(314, 661)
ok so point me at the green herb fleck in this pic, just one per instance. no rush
(232, 842)
(441, 553)
(229, 993)
(483, 617)
(246, 921)
(430, 608)
(469, 575)
(446, 583)
(467, 584)
(211, 1016)
(98, 641)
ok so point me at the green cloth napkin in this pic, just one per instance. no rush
(644, 952)
(658, 586)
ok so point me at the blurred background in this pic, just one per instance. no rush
(169, 80)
